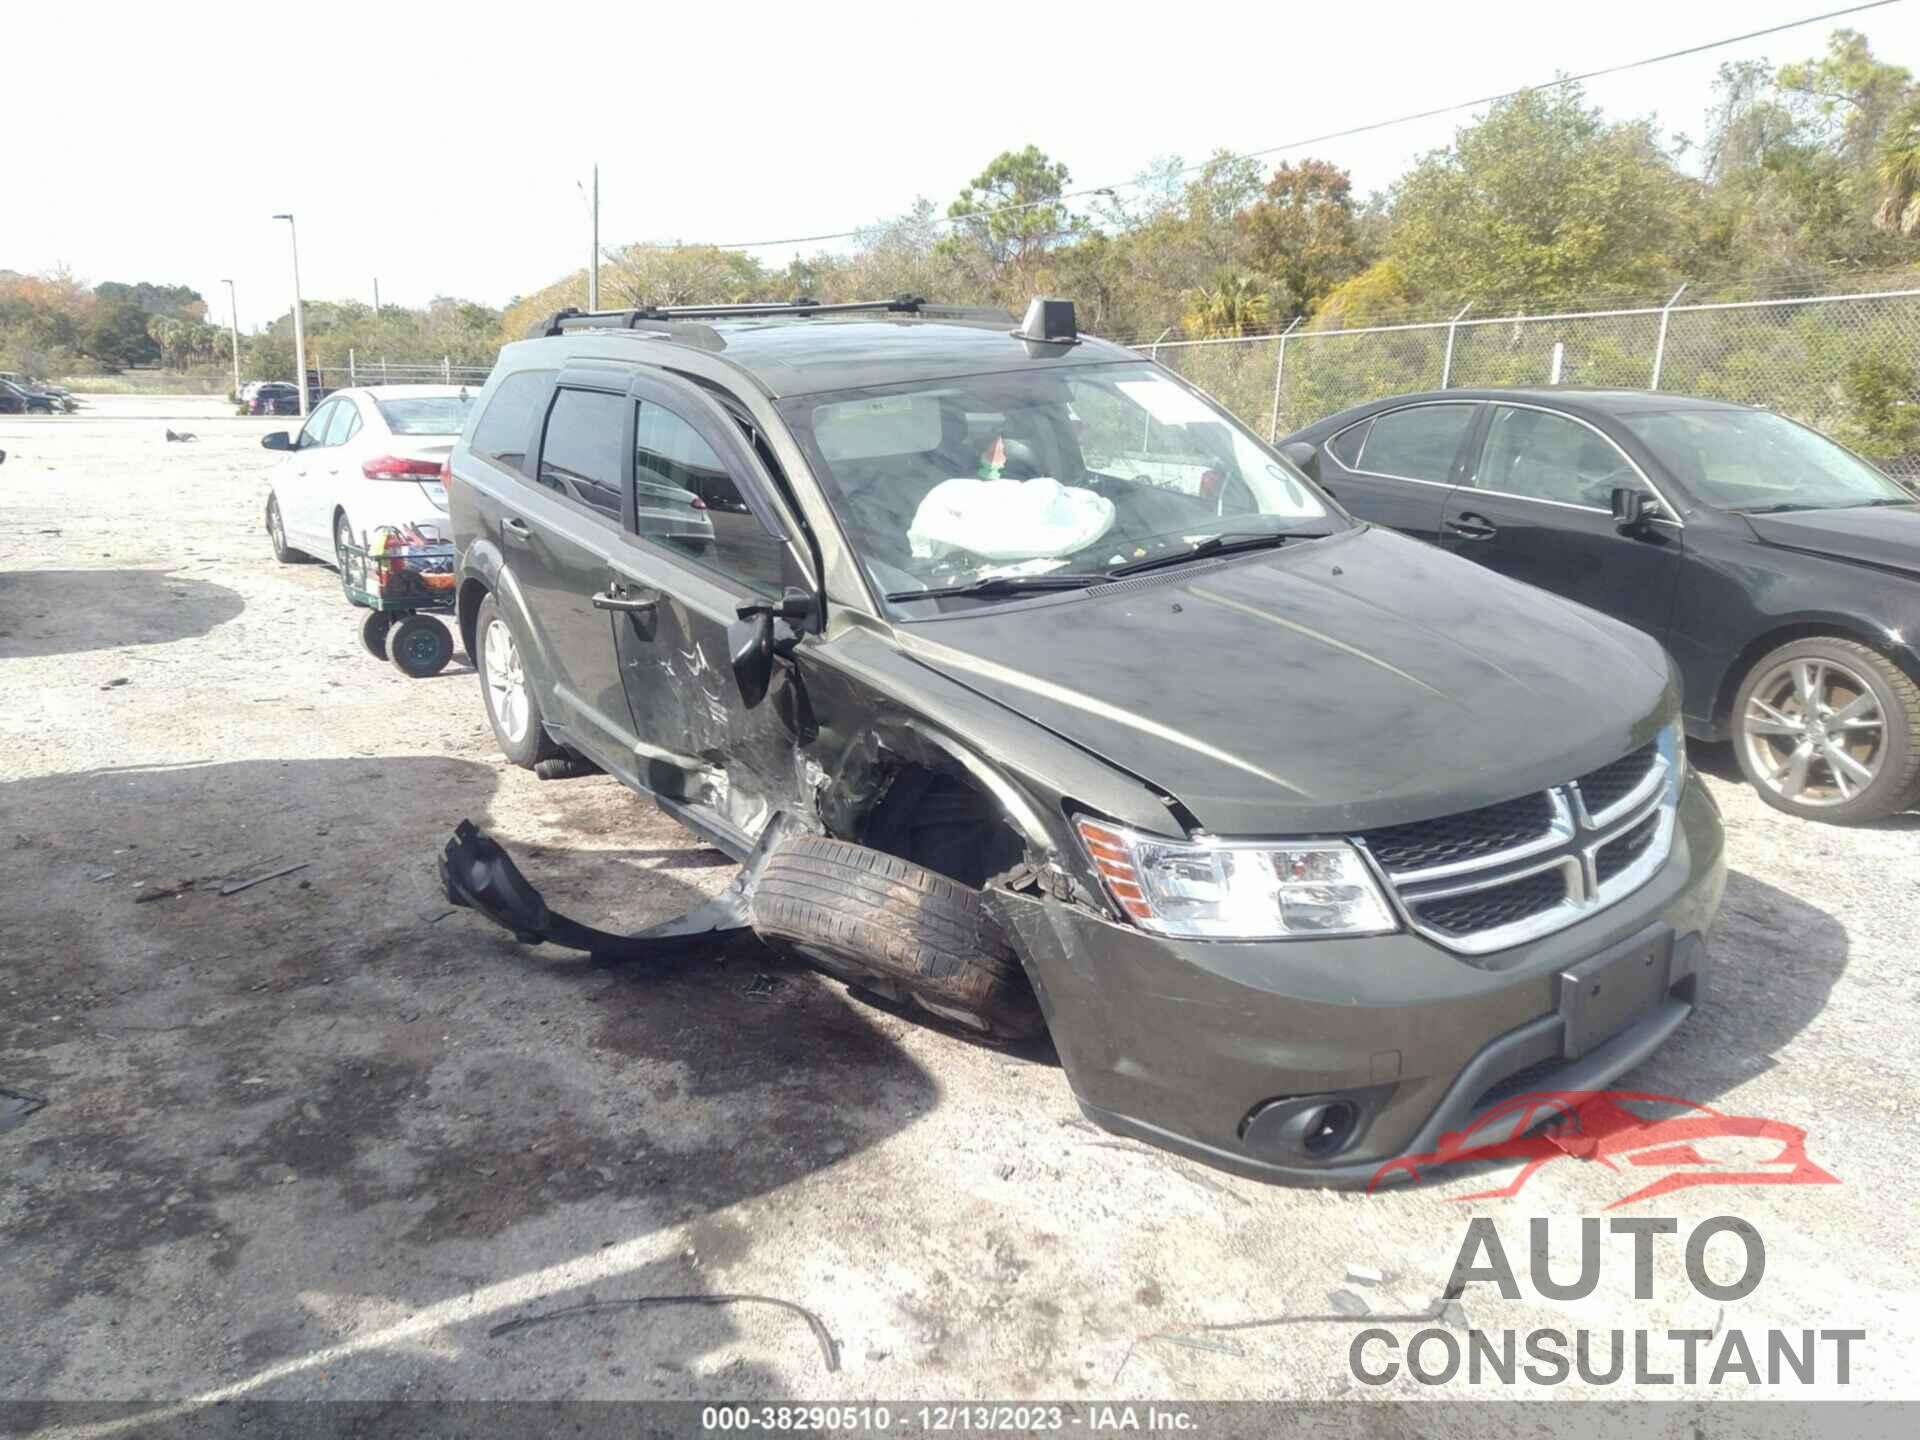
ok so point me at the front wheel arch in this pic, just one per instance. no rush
(1741, 666)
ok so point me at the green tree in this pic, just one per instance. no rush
(1234, 304)
(1899, 172)
(1303, 231)
(118, 336)
(1011, 214)
(1543, 201)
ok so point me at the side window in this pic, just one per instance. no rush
(1549, 457)
(685, 499)
(346, 420)
(1419, 443)
(580, 456)
(1345, 447)
(314, 433)
(501, 435)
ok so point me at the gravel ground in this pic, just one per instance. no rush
(314, 1138)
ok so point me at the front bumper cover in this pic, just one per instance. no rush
(1180, 1043)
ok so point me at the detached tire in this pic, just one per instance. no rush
(860, 910)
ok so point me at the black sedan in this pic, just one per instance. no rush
(1780, 570)
(18, 400)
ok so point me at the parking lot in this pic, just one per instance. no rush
(316, 1137)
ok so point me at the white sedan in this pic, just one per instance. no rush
(365, 459)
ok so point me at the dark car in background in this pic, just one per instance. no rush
(1298, 837)
(19, 400)
(1780, 570)
(275, 397)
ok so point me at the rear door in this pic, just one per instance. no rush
(1538, 508)
(1397, 467)
(706, 535)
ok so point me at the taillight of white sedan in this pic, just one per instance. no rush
(365, 459)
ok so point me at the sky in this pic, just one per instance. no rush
(440, 149)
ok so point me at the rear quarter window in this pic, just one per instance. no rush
(508, 422)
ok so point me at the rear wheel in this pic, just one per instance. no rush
(1829, 729)
(342, 538)
(277, 534)
(858, 912)
(512, 708)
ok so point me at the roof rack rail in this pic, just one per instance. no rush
(654, 317)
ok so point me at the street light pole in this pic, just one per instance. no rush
(233, 324)
(299, 324)
(593, 276)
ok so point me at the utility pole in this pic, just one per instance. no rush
(299, 324)
(233, 324)
(376, 294)
(593, 271)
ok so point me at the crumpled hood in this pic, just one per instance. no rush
(1362, 680)
(1886, 535)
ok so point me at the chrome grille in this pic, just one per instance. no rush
(1431, 844)
(1603, 789)
(1497, 905)
(1495, 877)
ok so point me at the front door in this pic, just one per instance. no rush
(559, 544)
(704, 539)
(1398, 468)
(1538, 508)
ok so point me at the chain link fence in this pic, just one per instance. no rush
(1844, 364)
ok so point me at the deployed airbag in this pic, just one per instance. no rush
(1008, 519)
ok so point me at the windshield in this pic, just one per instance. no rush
(1078, 471)
(427, 415)
(1752, 460)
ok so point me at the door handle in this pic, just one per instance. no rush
(1472, 527)
(615, 598)
(514, 528)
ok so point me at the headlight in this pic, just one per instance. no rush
(1673, 745)
(1237, 891)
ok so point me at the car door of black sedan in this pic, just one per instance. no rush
(1537, 507)
(1396, 468)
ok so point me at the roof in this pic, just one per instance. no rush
(410, 392)
(1596, 398)
(804, 356)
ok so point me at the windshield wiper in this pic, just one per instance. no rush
(1004, 585)
(1222, 544)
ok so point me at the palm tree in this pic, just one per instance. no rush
(1900, 172)
(1234, 305)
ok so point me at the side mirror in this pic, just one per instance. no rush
(1632, 508)
(276, 440)
(751, 643)
(1301, 454)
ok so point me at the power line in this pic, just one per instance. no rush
(1331, 135)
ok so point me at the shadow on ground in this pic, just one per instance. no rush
(66, 612)
(334, 1102)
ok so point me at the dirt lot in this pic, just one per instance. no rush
(314, 1138)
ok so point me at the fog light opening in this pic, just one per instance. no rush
(1328, 1127)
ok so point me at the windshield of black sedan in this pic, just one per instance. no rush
(1079, 470)
(1752, 460)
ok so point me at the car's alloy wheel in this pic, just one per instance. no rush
(342, 537)
(1815, 732)
(506, 681)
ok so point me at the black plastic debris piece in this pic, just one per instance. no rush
(16, 1106)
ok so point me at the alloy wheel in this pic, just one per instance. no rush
(1814, 731)
(506, 681)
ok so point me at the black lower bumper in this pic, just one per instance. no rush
(1182, 1044)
